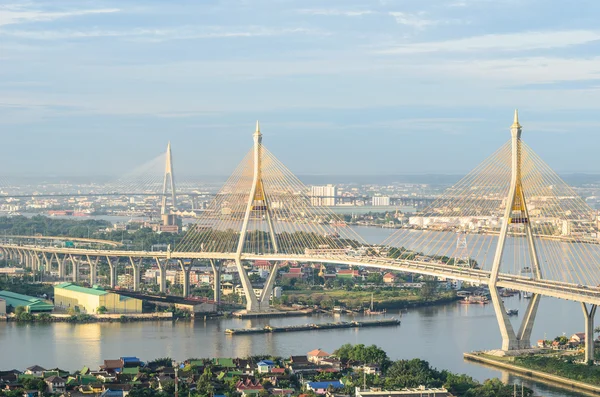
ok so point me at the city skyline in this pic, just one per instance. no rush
(366, 89)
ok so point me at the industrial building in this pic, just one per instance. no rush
(88, 300)
(30, 303)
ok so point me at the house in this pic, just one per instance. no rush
(389, 278)
(369, 369)
(246, 367)
(56, 384)
(129, 362)
(322, 388)
(263, 265)
(317, 355)
(248, 387)
(541, 343)
(294, 272)
(112, 366)
(265, 366)
(35, 370)
(300, 365)
(31, 393)
(577, 338)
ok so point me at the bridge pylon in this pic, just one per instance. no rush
(257, 201)
(168, 183)
(516, 216)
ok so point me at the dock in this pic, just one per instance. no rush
(314, 327)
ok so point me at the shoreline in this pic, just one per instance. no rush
(95, 318)
(536, 375)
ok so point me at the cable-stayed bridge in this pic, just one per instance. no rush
(510, 223)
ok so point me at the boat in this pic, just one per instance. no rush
(372, 312)
(512, 312)
(527, 295)
(477, 299)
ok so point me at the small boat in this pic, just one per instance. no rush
(527, 295)
(512, 312)
(372, 312)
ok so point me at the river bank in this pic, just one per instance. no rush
(88, 318)
(538, 375)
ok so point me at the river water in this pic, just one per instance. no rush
(437, 334)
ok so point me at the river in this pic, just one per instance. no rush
(437, 334)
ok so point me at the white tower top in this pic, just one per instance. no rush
(257, 132)
(516, 120)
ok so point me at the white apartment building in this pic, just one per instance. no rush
(323, 195)
(380, 201)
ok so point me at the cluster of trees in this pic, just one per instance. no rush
(22, 315)
(23, 226)
(366, 354)
(413, 373)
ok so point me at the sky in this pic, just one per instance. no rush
(341, 87)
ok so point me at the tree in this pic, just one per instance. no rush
(20, 310)
(375, 278)
(428, 289)
(101, 310)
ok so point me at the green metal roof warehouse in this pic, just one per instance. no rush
(31, 303)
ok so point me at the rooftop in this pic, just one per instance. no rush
(83, 290)
(13, 299)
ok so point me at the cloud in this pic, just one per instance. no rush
(412, 20)
(521, 41)
(335, 12)
(13, 14)
(157, 35)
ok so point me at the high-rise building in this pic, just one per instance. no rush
(381, 201)
(323, 195)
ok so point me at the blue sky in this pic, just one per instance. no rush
(340, 86)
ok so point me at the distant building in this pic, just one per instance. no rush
(88, 300)
(12, 271)
(321, 388)
(56, 384)
(389, 278)
(30, 303)
(380, 201)
(317, 355)
(323, 195)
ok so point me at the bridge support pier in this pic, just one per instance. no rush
(75, 263)
(112, 266)
(62, 270)
(216, 268)
(252, 304)
(186, 277)
(137, 267)
(162, 269)
(93, 270)
(47, 263)
(589, 314)
(265, 297)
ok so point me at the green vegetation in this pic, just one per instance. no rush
(366, 354)
(564, 366)
(23, 226)
(25, 286)
(357, 298)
